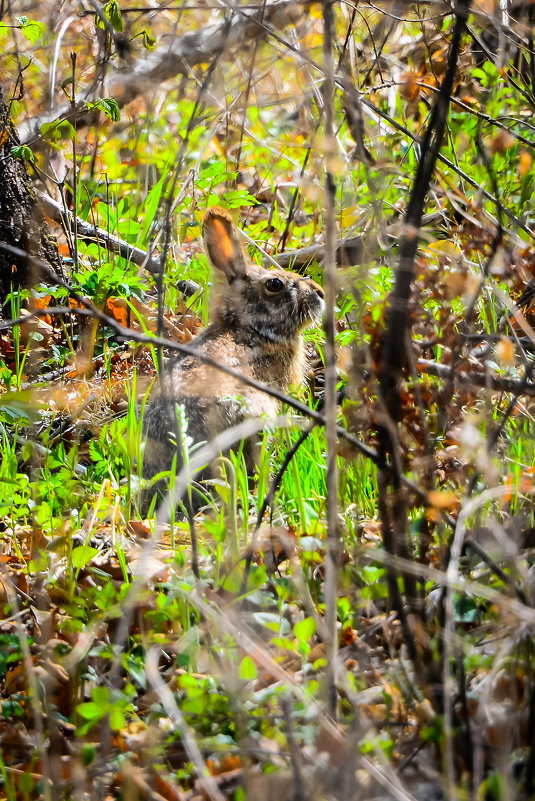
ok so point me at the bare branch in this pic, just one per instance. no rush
(477, 379)
(91, 233)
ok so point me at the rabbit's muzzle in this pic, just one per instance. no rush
(310, 303)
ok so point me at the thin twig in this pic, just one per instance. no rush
(332, 560)
(474, 378)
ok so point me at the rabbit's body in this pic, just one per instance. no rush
(256, 329)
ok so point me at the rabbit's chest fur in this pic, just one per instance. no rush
(249, 354)
(212, 400)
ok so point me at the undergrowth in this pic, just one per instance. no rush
(189, 656)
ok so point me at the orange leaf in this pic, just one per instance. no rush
(348, 636)
(501, 142)
(118, 309)
(505, 353)
(509, 483)
(443, 500)
(409, 88)
(524, 164)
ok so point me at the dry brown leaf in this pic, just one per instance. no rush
(443, 501)
(524, 164)
(505, 353)
(409, 88)
(501, 142)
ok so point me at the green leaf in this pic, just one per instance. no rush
(247, 669)
(148, 40)
(82, 555)
(494, 786)
(90, 710)
(101, 696)
(20, 405)
(8, 480)
(151, 205)
(236, 198)
(12, 709)
(113, 13)
(128, 227)
(214, 170)
(108, 106)
(27, 451)
(117, 719)
(188, 683)
(31, 28)
(136, 670)
(36, 565)
(22, 152)
(305, 629)
(478, 73)
(56, 131)
(195, 706)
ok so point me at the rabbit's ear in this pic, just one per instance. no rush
(222, 244)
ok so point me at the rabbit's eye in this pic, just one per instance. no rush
(274, 285)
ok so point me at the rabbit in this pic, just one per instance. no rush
(256, 326)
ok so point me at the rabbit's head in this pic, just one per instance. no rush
(276, 305)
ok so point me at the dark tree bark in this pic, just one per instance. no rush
(22, 222)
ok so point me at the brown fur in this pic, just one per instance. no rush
(256, 328)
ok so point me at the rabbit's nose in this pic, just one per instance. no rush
(320, 292)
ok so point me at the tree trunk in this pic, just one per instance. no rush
(22, 222)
